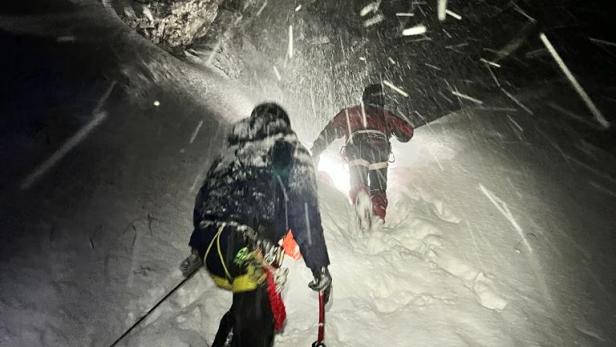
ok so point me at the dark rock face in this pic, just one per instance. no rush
(171, 24)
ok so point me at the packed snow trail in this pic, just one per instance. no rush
(391, 285)
(474, 253)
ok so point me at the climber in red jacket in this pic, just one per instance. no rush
(367, 129)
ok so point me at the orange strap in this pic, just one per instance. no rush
(290, 246)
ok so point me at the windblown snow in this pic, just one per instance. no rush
(476, 251)
(493, 238)
(499, 232)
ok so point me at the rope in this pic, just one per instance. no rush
(222, 259)
(370, 166)
(209, 247)
(275, 298)
(128, 331)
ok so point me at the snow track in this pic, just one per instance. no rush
(395, 284)
(470, 256)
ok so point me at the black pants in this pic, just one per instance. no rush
(373, 180)
(367, 149)
(251, 320)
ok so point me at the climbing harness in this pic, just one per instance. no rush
(365, 131)
(369, 165)
(392, 157)
(364, 162)
(262, 260)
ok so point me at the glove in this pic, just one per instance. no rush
(191, 264)
(322, 282)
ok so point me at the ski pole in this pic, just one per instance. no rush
(321, 336)
(153, 308)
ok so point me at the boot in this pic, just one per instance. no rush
(363, 209)
(379, 204)
(355, 192)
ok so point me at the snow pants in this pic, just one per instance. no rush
(250, 317)
(250, 320)
(368, 158)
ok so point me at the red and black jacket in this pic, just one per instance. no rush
(354, 120)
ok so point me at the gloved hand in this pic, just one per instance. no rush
(191, 264)
(322, 282)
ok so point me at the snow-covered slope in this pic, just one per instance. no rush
(496, 236)
(499, 233)
(486, 244)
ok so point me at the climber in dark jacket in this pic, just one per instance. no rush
(259, 188)
(367, 129)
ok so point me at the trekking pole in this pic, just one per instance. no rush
(321, 336)
(153, 308)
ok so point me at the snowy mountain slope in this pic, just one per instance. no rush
(495, 237)
(498, 233)
(76, 242)
(480, 221)
(479, 250)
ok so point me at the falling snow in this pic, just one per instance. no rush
(499, 225)
(374, 20)
(416, 30)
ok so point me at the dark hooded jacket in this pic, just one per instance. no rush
(265, 179)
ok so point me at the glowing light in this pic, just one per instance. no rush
(336, 170)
